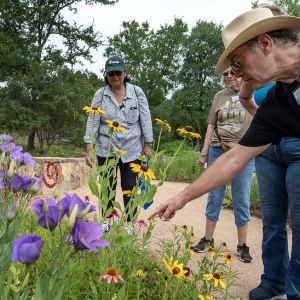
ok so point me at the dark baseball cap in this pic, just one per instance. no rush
(114, 63)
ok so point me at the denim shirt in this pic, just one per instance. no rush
(133, 115)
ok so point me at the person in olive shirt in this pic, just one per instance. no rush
(227, 123)
(261, 48)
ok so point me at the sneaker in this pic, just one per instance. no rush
(203, 245)
(243, 253)
(261, 293)
(106, 226)
(129, 228)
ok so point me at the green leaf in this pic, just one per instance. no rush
(94, 188)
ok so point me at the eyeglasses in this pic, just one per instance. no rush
(225, 74)
(113, 73)
(237, 62)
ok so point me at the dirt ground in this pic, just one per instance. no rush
(193, 215)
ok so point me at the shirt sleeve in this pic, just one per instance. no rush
(260, 132)
(91, 135)
(145, 116)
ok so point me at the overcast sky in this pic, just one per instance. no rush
(108, 19)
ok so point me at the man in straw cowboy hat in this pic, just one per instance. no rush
(262, 48)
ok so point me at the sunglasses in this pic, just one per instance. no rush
(225, 74)
(113, 73)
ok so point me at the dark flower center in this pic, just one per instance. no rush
(184, 227)
(188, 271)
(228, 256)
(217, 276)
(111, 271)
(116, 124)
(175, 270)
(94, 108)
(144, 168)
(114, 211)
(188, 128)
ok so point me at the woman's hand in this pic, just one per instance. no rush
(203, 160)
(147, 149)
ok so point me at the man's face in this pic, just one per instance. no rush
(253, 65)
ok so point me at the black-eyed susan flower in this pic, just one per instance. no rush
(187, 131)
(94, 110)
(139, 273)
(115, 213)
(228, 259)
(187, 272)
(183, 228)
(110, 275)
(119, 152)
(115, 125)
(207, 297)
(142, 170)
(165, 124)
(211, 250)
(175, 268)
(191, 250)
(217, 279)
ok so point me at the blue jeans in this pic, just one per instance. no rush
(240, 188)
(278, 174)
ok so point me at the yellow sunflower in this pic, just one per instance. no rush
(94, 110)
(187, 131)
(227, 259)
(115, 125)
(164, 124)
(175, 268)
(217, 279)
(119, 152)
(183, 228)
(142, 170)
(191, 250)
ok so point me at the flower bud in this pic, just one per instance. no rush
(45, 206)
(11, 213)
(72, 218)
(85, 211)
(11, 170)
(36, 186)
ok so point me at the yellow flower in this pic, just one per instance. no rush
(206, 297)
(139, 273)
(94, 110)
(142, 170)
(227, 259)
(175, 268)
(217, 279)
(191, 250)
(188, 132)
(115, 125)
(164, 124)
(119, 152)
(128, 193)
(183, 228)
(211, 251)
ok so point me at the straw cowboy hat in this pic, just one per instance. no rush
(249, 25)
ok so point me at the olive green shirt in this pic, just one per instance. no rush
(229, 116)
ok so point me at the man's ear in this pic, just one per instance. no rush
(265, 42)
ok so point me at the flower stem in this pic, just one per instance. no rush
(158, 142)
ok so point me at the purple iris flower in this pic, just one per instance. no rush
(27, 248)
(11, 148)
(86, 236)
(20, 182)
(49, 218)
(22, 158)
(69, 201)
(5, 139)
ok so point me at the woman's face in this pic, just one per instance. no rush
(231, 80)
(116, 78)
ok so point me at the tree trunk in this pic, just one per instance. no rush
(30, 141)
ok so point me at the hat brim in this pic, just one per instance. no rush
(266, 25)
(114, 68)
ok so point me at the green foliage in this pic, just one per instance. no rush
(153, 58)
(41, 93)
(197, 76)
(292, 7)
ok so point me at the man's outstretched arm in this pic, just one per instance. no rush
(221, 171)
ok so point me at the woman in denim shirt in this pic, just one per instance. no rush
(127, 105)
